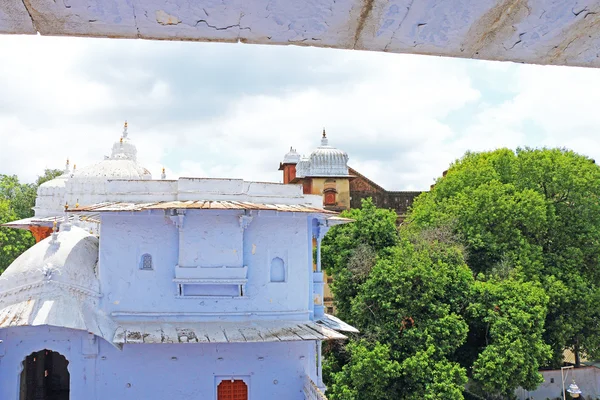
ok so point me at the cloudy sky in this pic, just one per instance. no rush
(233, 110)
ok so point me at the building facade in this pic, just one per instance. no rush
(325, 173)
(188, 288)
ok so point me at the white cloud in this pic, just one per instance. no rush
(234, 110)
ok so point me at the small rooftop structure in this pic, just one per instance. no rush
(324, 161)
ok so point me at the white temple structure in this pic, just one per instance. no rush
(195, 288)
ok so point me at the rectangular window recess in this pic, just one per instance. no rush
(195, 288)
(211, 273)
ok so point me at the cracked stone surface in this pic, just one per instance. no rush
(556, 32)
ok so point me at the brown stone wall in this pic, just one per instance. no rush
(362, 187)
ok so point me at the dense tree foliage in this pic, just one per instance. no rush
(16, 202)
(535, 213)
(407, 300)
(494, 274)
(349, 251)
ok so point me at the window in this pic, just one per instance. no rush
(194, 282)
(45, 376)
(232, 390)
(277, 270)
(146, 262)
(330, 198)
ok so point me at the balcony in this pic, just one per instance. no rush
(311, 391)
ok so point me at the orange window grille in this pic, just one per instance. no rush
(330, 199)
(232, 390)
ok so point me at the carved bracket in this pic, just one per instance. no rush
(245, 221)
(178, 219)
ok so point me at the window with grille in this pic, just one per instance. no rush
(233, 389)
(146, 262)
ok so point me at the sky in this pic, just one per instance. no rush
(233, 110)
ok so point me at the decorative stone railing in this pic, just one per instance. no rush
(311, 391)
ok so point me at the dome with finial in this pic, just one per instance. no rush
(292, 157)
(122, 163)
(89, 183)
(325, 160)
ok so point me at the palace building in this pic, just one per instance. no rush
(192, 288)
(325, 173)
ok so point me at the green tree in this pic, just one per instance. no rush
(512, 314)
(16, 202)
(407, 302)
(534, 213)
(349, 251)
(13, 242)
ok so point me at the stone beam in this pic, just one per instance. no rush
(553, 32)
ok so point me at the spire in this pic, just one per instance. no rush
(67, 167)
(54, 239)
(324, 141)
(163, 175)
(66, 226)
(123, 149)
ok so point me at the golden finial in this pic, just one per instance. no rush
(77, 204)
(324, 134)
(121, 140)
(67, 161)
(74, 167)
(66, 206)
(125, 126)
(163, 170)
(54, 226)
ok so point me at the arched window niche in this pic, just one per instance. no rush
(45, 376)
(146, 262)
(277, 270)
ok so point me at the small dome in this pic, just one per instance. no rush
(114, 169)
(58, 182)
(292, 157)
(70, 260)
(121, 164)
(325, 160)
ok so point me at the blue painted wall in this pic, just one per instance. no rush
(210, 239)
(159, 371)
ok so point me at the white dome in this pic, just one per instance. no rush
(292, 157)
(114, 169)
(121, 164)
(324, 161)
(58, 182)
(70, 260)
(88, 185)
(54, 283)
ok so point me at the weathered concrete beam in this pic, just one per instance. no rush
(560, 32)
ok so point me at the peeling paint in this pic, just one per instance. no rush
(166, 19)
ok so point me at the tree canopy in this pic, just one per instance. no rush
(407, 300)
(533, 213)
(16, 202)
(493, 275)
